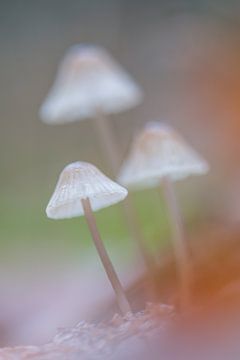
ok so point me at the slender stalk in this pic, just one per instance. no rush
(111, 273)
(179, 243)
(110, 148)
(107, 141)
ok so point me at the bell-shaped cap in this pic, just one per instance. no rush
(89, 80)
(81, 180)
(158, 151)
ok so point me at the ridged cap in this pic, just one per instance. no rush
(159, 151)
(88, 80)
(81, 180)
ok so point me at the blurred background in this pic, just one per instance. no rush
(185, 54)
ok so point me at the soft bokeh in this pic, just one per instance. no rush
(186, 56)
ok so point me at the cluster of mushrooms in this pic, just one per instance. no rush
(91, 84)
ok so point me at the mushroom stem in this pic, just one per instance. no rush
(111, 273)
(179, 243)
(107, 141)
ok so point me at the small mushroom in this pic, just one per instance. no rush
(82, 189)
(160, 155)
(91, 84)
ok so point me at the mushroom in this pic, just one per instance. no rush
(91, 84)
(160, 155)
(82, 189)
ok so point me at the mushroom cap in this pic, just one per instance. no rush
(158, 151)
(89, 80)
(81, 180)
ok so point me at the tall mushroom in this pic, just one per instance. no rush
(82, 189)
(91, 84)
(160, 155)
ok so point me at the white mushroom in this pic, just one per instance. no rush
(91, 84)
(88, 80)
(160, 155)
(157, 152)
(82, 189)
